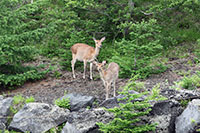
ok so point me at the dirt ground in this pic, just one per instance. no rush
(51, 88)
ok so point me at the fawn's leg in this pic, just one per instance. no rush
(114, 89)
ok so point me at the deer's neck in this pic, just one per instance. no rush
(96, 52)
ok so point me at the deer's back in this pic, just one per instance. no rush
(82, 51)
(112, 72)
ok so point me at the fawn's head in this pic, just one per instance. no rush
(99, 65)
(98, 42)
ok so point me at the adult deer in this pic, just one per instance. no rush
(85, 53)
(108, 76)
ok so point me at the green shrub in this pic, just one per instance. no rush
(63, 103)
(134, 54)
(190, 82)
(184, 103)
(11, 80)
(19, 101)
(127, 117)
(30, 99)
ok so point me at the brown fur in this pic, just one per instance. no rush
(109, 75)
(85, 53)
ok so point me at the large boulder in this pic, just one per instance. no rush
(69, 128)
(84, 121)
(190, 117)
(78, 101)
(164, 113)
(38, 118)
(4, 111)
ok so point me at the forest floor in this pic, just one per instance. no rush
(51, 88)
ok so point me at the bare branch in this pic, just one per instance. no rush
(147, 14)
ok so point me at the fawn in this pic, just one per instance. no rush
(108, 76)
(85, 53)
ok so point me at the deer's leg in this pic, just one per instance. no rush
(85, 65)
(73, 63)
(91, 70)
(114, 89)
(107, 90)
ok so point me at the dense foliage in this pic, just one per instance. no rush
(128, 117)
(136, 33)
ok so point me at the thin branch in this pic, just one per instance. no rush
(147, 14)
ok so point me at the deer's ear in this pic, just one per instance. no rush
(102, 39)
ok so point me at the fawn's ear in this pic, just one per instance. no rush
(102, 39)
(94, 62)
(104, 62)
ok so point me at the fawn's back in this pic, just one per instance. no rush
(112, 72)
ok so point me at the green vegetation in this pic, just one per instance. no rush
(63, 103)
(184, 103)
(19, 101)
(127, 117)
(57, 129)
(190, 82)
(7, 131)
(137, 33)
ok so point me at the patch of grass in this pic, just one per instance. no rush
(190, 82)
(57, 129)
(184, 103)
(182, 72)
(30, 99)
(63, 103)
(18, 99)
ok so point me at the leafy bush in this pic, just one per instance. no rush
(136, 31)
(11, 80)
(20, 30)
(127, 117)
(63, 103)
(134, 54)
(190, 82)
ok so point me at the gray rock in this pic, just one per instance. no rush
(69, 128)
(163, 122)
(85, 120)
(179, 94)
(1, 97)
(4, 111)
(114, 101)
(165, 111)
(38, 118)
(78, 101)
(190, 117)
